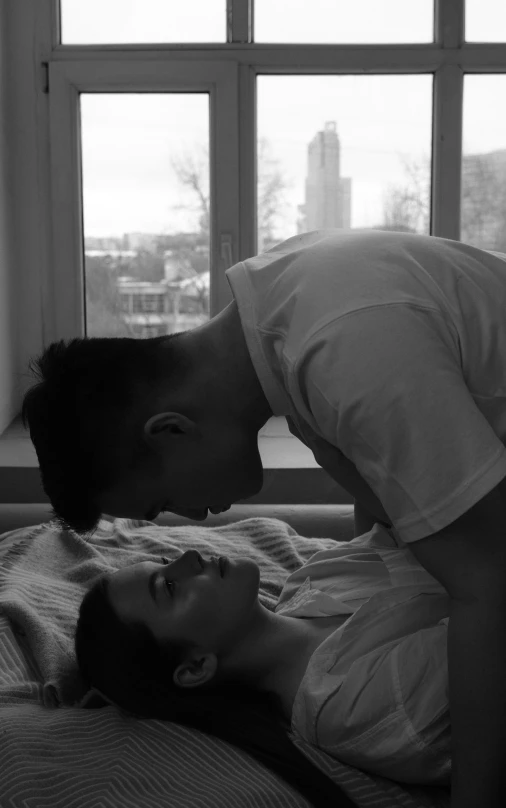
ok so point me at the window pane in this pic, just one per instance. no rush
(339, 21)
(146, 212)
(486, 20)
(483, 208)
(343, 151)
(101, 22)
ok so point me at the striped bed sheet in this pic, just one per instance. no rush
(54, 753)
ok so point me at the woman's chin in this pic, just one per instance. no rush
(246, 568)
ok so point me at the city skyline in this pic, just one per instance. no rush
(129, 141)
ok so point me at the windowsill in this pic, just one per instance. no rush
(291, 474)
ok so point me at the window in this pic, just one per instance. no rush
(193, 156)
(485, 21)
(145, 303)
(150, 331)
(339, 21)
(154, 143)
(483, 198)
(99, 22)
(145, 169)
(402, 100)
(346, 155)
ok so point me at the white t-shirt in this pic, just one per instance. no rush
(386, 352)
(375, 692)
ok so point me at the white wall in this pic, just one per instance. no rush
(8, 348)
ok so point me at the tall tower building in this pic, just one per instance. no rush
(328, 195)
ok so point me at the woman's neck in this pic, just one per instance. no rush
(272, 651)
(290, 643)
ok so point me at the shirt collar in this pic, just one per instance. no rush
(309, 601)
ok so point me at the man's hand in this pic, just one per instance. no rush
(469, 559)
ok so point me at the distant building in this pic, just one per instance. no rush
(177, 302)
(328, 195)
(153, 309)
(483, 208)
(142, 241)
(113, 254)
(105, 243)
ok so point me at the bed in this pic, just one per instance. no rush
(61, 745)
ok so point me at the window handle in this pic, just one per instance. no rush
(226, 250)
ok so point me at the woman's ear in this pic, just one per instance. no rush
(196, 670)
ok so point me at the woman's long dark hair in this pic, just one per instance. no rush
(127, 665)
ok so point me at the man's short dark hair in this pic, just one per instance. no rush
(83, 417)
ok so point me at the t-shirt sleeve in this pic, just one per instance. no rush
(384, 384)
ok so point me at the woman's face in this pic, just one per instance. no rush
(189, 599)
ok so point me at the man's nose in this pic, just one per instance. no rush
(198, 514)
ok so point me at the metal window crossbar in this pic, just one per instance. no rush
(228, 73)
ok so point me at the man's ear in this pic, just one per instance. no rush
(196, 670)
(172, 423)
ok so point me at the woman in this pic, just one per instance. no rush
(353, 659)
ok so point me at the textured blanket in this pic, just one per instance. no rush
(83, 758)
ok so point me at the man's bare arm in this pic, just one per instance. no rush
(364, 520)
(469, 559)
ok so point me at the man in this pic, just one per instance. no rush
(386, 352)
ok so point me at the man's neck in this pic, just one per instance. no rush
(230, 370)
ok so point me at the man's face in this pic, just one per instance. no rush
(189, 476)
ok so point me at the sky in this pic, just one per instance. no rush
(383, 122)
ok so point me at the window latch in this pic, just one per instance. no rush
(226, 250)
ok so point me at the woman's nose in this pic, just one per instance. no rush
(194, 561)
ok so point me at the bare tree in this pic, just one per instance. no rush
(192, 172)
(407, 207)
(272, 185)
(483, 217)
(103, 303)
(483, 200)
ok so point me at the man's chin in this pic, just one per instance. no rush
(253, 485)
(256, 486)
(259, 478)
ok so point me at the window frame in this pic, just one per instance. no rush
(229, 71)
(67, 80)
(46, 78)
